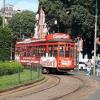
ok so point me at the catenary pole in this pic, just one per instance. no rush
(94, 70)
(3, 25)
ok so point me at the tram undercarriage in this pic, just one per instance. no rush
(49, 70)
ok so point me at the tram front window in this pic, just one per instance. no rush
(52, 49)
(67, 51)
(61, 52)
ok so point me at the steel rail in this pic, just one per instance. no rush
(72, 92)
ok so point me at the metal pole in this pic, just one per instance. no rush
(30, 71)
(11, 52)
(78, 52)
(3, 25)
(37, 70)
(19, 78)
(95, 40)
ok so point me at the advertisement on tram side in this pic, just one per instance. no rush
(48, 61)
(29, 60)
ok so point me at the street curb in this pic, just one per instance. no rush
(24, 86)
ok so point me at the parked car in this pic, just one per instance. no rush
(82, 66)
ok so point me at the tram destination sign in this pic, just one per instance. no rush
(58, 36)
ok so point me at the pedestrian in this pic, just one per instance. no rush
(98, 68)
(98, 45)
(89, 67)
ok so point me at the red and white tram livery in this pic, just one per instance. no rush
(55, 51)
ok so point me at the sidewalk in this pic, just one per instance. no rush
(96, 95)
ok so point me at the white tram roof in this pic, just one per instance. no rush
(50, 37)
(25, 41)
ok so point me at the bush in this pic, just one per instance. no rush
(7, 68)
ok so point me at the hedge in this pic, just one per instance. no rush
(7, 68)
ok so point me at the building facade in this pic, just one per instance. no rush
(8, 12)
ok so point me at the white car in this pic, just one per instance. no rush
(82, 66)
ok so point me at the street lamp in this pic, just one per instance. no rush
(55, 22)
(95, 38)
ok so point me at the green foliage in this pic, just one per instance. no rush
(0, 20)
(75, 16)
(11, 81)
(6, 37)
(81, 21)
(54, 9)
(23, 24)
(7, 68)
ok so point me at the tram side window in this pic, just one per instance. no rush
(30, 51)
(55, 50)
(44, 50)
(25, 54)
(17, 50)
(21, 53)
(33, 51)
(41, 51)
(27, 51)
(36, 51)
(50, 50)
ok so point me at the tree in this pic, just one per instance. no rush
(81, 21)
(6, 37)
(74, 16)
(54, 10)
(0, 20)
(22, 24)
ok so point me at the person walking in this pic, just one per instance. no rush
(89, 67)
(98, 68)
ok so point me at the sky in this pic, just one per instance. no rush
(22, 4)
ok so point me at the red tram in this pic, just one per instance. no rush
(54, 52)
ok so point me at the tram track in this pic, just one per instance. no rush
(77, 89)
(53, 89)
(58, 80)
(52, 86)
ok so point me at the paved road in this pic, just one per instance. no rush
(66, 84)
(96, 95)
